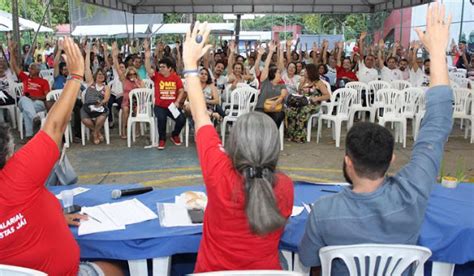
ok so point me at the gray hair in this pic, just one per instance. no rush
(254, 145)
(6, 144)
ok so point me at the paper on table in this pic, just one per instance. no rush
(307, 207)
(172, 215)
(174, 110)
(75, 191)
(128, 212)
(92, 226)
(297, 211)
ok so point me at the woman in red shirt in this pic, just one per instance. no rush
(33, 229)
(344, 72)
(248, 201)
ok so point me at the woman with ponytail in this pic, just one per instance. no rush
(249, 202)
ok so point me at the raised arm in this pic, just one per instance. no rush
(315, 58)
(115, 52)
(379, 53)
(264, 75)
(288, 50)
(87, 66)
(414, 64)
(231, 60)
(281, 59)
(13, 58)
(60, 113)
(192, 52)
(339, 52)
(324, 54)
(422, 170)
(362, 45)
(105, 48)
(146, 46)
(260, 52)
(179, 60)
(57, 58)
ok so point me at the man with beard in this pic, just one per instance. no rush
(390, 72)
(403, 66)
(376, 208)
(367, 71)
(419, 76)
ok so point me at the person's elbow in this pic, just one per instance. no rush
(307, 256)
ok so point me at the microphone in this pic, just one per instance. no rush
(134, 191)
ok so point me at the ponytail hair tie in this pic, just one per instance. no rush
(256, 172)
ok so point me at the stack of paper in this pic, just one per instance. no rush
(173, 214)
(114, 216)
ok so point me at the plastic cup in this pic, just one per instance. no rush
(67, 197)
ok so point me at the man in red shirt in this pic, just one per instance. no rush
(35, 89)
(169, 91)
(344, 73)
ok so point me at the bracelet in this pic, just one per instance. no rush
(185, 72)
(74, 79)
(76, 76)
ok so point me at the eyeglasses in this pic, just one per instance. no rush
(132, 74)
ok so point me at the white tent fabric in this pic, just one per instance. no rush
(110, 30)
(244, 35)
(25, 24)
(255, 6)
(181, 28)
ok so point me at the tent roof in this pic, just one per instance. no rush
(181, 28)
(255, 6)
(25, 24)
(110, 30)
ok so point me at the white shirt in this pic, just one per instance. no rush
(331, 74)
(367, 74)
(389, 75)
(419, 78)
(291, 83)
(117, 87)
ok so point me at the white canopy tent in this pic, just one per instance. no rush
(181, 28)
(141, 30)
(25, 24)
(244, 36)
(255, 6)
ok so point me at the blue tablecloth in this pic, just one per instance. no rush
(448, 229)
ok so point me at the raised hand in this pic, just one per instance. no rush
(381, 44)
(115, 50)
(73, 57)
(436, 37)
(260, 51)
(325, 44)
(288, 44)
(146, 44)
(272, 47)
(363, 35)
(195, 46)
(340, 45)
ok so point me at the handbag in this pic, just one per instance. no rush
(297, 101)
(63, 173)
(267, 105)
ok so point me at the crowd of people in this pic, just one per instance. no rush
(292, 78)
(249, 200)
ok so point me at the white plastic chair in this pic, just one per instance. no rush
(249, 272)
(462, 82)
(410, 98)
(356, 105)
(143, 113)
(457, 75)
(85, 131)
(18, 89)
(240, 103)
(462, 98)
(12, 107)
(346, 95)
(420, 111)
(47, 73)
(392, 104)
(393, 259)
(150, 84)
(400, 84)
(470, 118)
(54, 96)
(10, 270)
(375, 86)
(113, 84)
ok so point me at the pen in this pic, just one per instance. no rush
(92, 217)
(329, 191)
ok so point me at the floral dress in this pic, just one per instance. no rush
(297, 117)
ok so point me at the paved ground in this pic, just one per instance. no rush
(178, 166)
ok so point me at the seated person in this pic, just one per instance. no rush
(35, 90)
(271, 87)
(376, 208)
(249, 202)
(34, 233)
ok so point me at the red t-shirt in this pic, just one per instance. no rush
(166, 89)
(341, 73)
(36, 87)
(33, 231)
(227, 241)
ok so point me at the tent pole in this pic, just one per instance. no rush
(16, 29)
(39, 27)
(133, 19)
(126, 24)
(237, 31)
